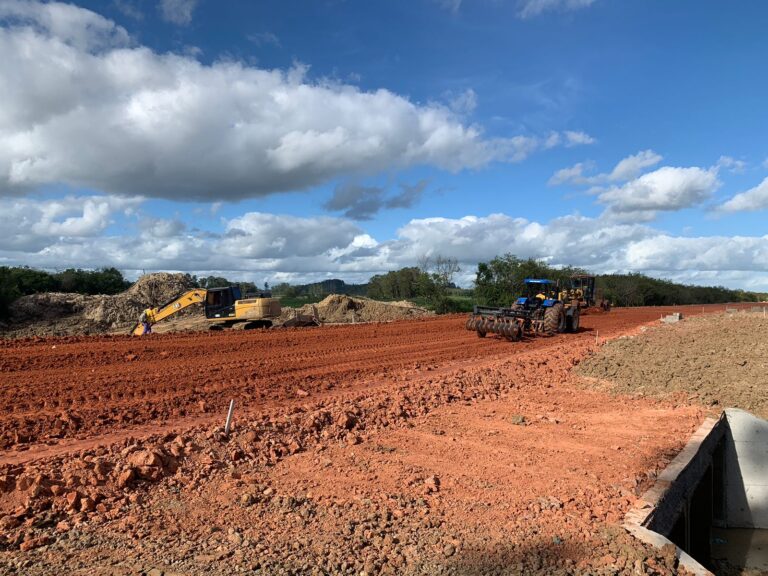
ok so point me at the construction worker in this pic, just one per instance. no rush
(144, 319)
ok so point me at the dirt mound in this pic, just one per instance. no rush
(60, 314)
(717, 360)
(342, 309)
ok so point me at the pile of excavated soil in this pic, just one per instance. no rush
(342, 309)
(59, 314)
(717, 360)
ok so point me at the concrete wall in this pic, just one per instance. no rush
(746, 465)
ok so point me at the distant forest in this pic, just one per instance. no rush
(431, 284)
(18, 282)
(499, 281)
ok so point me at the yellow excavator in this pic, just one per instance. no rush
(224, 307)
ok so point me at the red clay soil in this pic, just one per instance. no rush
(404, 448)
(78, 387)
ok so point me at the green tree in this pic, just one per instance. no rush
(285, 289)
(214, 282)
(435, 281)
(502, 280)
(396, 285)
(9, 291)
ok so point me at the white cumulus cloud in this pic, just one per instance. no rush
(663, 252)
(732, 164)
(257, 235)
(81, 106)
(667, 188)
(632, 166)
(626, 169)
(30, 225)
(68, 24)
(750, 201)
(577, 138)
(177, 11)
(275, 247)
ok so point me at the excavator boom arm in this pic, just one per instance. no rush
(188, 298)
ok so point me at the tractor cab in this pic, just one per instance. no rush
(538, 293)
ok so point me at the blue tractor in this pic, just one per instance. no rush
(540, 311)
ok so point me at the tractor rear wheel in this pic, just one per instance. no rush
(554, 320)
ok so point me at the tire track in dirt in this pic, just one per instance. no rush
(78, 387)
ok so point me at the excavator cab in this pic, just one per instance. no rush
(220, 302)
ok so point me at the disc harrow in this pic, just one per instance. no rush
(508, 327)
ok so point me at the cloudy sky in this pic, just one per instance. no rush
(307, 139)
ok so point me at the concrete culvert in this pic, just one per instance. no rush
(712, 500)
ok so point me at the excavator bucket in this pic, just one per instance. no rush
(138, 329)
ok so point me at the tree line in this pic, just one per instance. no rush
(430, 283)
(498, 282)
(640, 290)
(16, 282)
(319, 289)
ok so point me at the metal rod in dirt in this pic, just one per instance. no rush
(229, 417)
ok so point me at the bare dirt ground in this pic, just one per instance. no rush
(720, 361)
(402, 448)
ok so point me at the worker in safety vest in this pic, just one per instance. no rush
(144, 319)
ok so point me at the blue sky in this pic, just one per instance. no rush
(295, 141)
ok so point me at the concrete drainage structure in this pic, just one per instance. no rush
(673, 318)
(712, 497)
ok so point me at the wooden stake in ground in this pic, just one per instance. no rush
(597, 336)
(229, 417)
